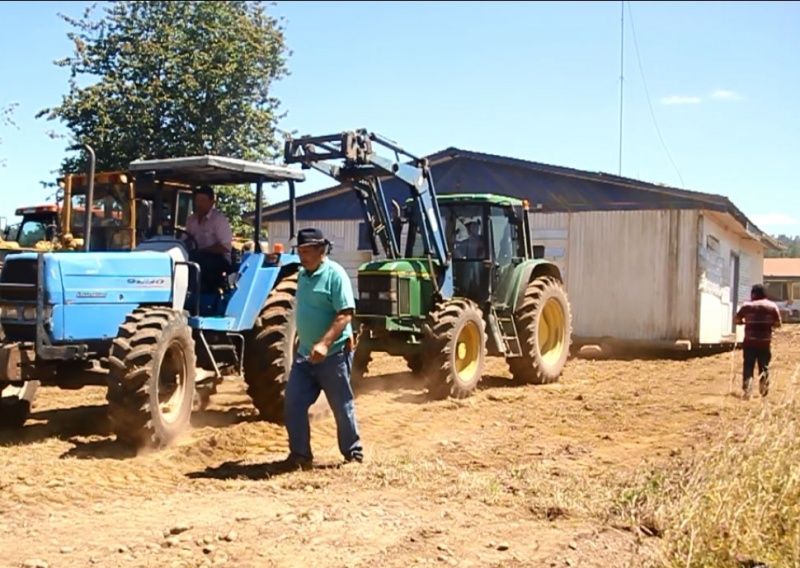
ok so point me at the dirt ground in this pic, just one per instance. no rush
(514, 476)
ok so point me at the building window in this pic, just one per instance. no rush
(776, 291)
(364, 241)
(796, 291)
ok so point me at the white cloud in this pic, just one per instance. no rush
(680, 100)
(719, 94)
(724, 95)
(772, 219)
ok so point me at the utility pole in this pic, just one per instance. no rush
(621, 76)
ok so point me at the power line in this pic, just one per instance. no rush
(647, 93)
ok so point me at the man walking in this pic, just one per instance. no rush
(759, 316)
(324, 310)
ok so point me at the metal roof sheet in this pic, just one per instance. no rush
(215, 170)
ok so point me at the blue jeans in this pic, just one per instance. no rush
(306, 381)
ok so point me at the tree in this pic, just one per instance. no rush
(792, 245)
(171, 79)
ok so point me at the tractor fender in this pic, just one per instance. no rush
(286, 270)
(524, 274)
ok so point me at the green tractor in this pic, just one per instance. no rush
(469, 283)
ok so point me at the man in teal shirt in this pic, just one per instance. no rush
(323, 312)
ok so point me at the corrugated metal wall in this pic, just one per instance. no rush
(342, 233)
(719, 246)
(629, 274)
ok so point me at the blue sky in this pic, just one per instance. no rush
(532, 80)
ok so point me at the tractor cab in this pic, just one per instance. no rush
(39, 223)
(487, 236)
(211, 293)
(123, 211)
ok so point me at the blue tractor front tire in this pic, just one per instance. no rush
(152, 368)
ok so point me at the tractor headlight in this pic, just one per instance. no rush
(9, 312)
(363, 295)
(29, 313)
(385, 296)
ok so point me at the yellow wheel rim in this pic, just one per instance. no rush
(551, 332)
(468, 352)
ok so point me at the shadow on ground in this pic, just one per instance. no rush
(252, 471)
(60, 423)
(421, 396)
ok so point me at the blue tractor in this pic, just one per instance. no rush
(148, 323)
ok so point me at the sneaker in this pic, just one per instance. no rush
(355, 457)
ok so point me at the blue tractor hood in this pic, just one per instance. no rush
(89, 294)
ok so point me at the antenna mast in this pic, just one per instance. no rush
(621, 76)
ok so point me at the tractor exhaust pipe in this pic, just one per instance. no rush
(87, 223)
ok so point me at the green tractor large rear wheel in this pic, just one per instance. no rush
(455, 350)
(544, 324)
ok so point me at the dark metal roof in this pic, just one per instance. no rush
(215, 170)
(552, 188)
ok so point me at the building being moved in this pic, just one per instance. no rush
(644, 264)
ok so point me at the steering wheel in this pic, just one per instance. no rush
(177, 232)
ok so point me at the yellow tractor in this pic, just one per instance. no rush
(122, 213)
(122, 210)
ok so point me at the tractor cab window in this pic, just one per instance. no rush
(185, 206)
(11, 232)
(507, 242)
(111, 218)
(31, 232)
(464, 229)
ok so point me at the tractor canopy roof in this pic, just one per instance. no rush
(475, 198)
(214, 170)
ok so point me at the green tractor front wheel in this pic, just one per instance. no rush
(455, 350)
(544, 324)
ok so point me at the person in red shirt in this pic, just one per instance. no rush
(759, 316)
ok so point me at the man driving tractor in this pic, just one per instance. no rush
(213, 237)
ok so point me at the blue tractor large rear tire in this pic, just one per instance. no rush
(152, 368)
(270, 349)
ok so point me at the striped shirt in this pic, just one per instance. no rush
(759, 317)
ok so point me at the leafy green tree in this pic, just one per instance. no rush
(174, 78)
(792, 245)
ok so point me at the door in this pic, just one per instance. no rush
(506, 251)
(734, 288)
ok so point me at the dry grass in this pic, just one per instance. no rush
(736, 503)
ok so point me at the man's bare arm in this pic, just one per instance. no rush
(337, 327)
(776, 322)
